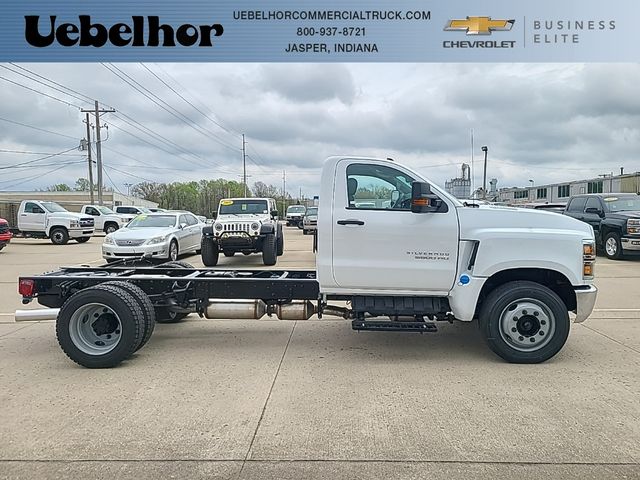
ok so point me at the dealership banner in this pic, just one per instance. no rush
(320, 31)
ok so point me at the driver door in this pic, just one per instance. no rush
(378, 243)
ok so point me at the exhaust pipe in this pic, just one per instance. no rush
(36, 315)
(256, 309)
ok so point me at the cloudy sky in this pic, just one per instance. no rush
(179, 122)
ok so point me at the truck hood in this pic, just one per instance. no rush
(624, 215)
(493, 218)
(252, 217)
(68, 215)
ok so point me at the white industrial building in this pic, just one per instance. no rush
(73, 201)
(560, 192)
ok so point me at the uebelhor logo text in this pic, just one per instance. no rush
(120, 34)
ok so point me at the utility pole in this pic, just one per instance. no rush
(485, 149)
(284, 191)
(97, 111)
(90, 159)
(128, 185)
(244, 166)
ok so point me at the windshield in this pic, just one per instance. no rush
(105, 210)
(618, 204)
(53, 207)
(145, 221)
(144, 210)
(240, 207)
(296, 209)
(312, 211)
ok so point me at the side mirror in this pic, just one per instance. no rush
(183, 226)
(594, 210)
(214, 215)
(422, 200)
(274, 213)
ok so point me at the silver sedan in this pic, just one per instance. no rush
(165, 235)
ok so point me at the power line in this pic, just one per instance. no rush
(87, 99)
(37, 159)
(39, 92)
(27, 179)
(23, 152)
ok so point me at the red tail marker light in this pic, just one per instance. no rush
(26, 287)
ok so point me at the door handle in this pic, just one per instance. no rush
(23, 214)
(350, 221)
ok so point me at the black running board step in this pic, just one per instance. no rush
(394, 326)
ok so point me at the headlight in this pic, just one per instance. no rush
(156, 240)
(124, 220)
(73, 224)
(633, 226)
(255, 226)
(218, 227)
(109, 240)
(588, 259)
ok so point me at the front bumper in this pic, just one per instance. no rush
(81, 232)
(237, 240)
(310, 226)
(158, 250)
(585, 301)
(630, 244)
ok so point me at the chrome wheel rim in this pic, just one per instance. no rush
(111, 229)
(173, 251)
(527, 325)
(611, 246)
(95, 329)
(58, 237)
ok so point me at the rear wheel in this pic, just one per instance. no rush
(99, 328)
(110, 228)
(613, 246)
(59, 236)
(269, 249)
(83, 239)
(228, 253)
(164, 314)
(524, 322)
(210, 252)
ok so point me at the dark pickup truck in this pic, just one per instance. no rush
(615, 218)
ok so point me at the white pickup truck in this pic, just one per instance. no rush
(404, 256)
(105, 219)
(43, 219)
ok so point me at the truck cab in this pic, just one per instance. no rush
(105, 219)
(44, 219)
(295, 214)
(131, 212)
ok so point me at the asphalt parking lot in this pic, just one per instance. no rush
(292, 400)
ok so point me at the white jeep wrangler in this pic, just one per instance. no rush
(247, 225)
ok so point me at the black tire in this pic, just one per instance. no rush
(269, 250)
(83, 239)
(228, 253)
(59, 236)
(247, 253)
(613, 246)
(499, 317)
(305, 231)
(163, 314)
(145, 304)
(210, 252)
(171, 251)
(127, 311)
(300, 225)
(110, 227)
(280, 242)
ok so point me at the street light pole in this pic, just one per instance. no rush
(485, 149)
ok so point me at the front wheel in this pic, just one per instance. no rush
(524, 322)
(229, 253)
(269, 249)
(110, 228)
(173, 251)
(210, 252)
(83, 239)
(613, 246)
(59, 236)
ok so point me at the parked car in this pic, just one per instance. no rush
(105, 219)
(5, 233)
(157, 209)
(310, 220)
(130, 212)
(549, 207)
(44, 219)
(294, 215)
(247, 225)
(615, 218)
(165, 235)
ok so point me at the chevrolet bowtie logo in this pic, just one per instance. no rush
(479, 25)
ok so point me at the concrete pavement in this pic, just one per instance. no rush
(275, 399)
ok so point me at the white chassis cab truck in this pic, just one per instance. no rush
(403, 260)
(247, 225)
(43, 219)
(106, 220)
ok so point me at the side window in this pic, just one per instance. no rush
(92, 211)
(183, 219)
(577, 205)
(191, 220)
(377, 187)
(593, 202)
(32, 208)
